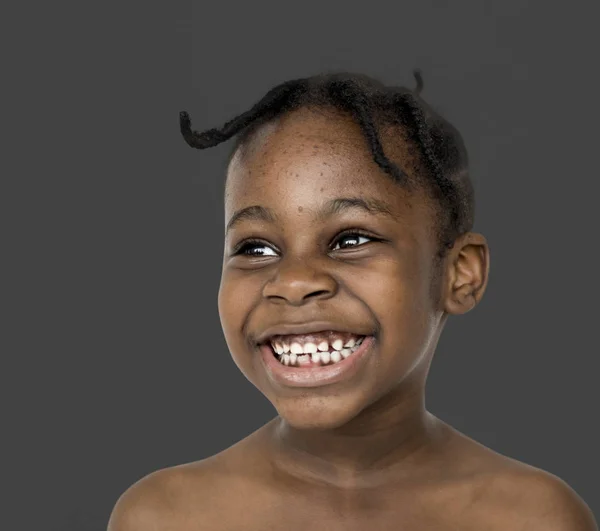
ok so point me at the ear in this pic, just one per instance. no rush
(467, 273)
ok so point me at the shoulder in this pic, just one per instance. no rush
(533, 499)
(162, 498)
(503, 493)
(144, 505)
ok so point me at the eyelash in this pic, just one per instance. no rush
(252, 242)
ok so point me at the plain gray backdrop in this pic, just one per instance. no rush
(116, 365)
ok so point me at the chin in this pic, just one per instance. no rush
(315, 413)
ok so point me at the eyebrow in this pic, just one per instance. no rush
(338, 205)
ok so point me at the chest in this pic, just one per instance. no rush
(292, 521)
(322, 514)
(260, 505)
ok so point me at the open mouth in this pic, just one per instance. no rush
(331, 365)
(312, 354)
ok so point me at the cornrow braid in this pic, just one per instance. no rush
(351, 98)
(443, 160)
(282, 98)
(422, 134)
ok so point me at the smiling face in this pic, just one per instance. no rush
(305, 269)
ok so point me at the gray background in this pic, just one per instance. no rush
(115, 362)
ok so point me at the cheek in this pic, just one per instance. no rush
(398, 294)
(235, 302)
(395, 289)
(232, 301)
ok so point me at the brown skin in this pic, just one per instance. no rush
(363, 453)
(367, 431)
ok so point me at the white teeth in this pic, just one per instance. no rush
(289, 354)
(296, 348)
(283, 347)
(309, 348)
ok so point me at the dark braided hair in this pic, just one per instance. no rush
(442, 167)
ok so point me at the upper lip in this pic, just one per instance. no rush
(283, 329)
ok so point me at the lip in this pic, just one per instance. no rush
(304, 328)
(316, 376)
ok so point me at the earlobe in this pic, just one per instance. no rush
(468, 273)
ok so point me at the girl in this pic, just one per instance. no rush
(348, 243)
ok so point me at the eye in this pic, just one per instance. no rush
(354, 234)
(252, 244)
(248, 246)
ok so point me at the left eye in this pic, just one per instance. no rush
(353, 236)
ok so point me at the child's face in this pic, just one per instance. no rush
(303, 273)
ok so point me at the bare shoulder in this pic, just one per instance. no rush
(142, 505)
(191, 496)
(496, 492)
(160, 501)
(533, 499)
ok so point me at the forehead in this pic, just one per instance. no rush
(308, 126)
(313, 155)
(314, 142)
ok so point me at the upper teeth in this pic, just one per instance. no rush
(295, 347)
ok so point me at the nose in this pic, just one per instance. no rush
(297, 281)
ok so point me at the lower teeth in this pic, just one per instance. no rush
(324, 358)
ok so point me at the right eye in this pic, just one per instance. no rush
(252, 244)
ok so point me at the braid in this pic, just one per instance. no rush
(419, 78)
(422, 134)
(282, 97)
(444, 162)
(351, 98)
(424, 140)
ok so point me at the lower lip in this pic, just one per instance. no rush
(290, 376)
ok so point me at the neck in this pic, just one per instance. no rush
(388, 442)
